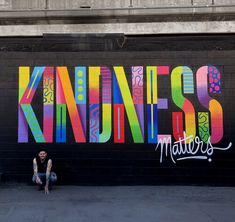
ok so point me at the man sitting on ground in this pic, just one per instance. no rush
(42, 171)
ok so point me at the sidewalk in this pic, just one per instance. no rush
(23, 203)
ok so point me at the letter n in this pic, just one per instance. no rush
(133, 107)
(65, 98)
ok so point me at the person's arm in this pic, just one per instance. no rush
(35, 167)
(35, 171)
(49, 165)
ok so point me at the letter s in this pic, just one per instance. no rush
(183, 103)
(209, 103)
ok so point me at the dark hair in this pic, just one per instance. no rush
(40, 150)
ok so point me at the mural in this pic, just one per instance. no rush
(109, 92)
(155, 110)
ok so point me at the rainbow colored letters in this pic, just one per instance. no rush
(104, 92)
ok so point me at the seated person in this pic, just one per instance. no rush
(42, 171)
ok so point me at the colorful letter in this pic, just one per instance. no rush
(212, 74)
(65, 95)
(94, 104)
(183, 103)
(26, 114)
(137, 135)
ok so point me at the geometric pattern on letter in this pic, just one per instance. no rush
(94, 122)
(203, 123)
(80, 85)
(214, 79)
(137, 84)
(188, 80)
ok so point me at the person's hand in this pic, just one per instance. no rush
(46, 190)
(38, 180)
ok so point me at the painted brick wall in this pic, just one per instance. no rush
(129, 162)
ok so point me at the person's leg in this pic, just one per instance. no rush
(42, 177)
(52, 179)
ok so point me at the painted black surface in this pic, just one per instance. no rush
(115, 163)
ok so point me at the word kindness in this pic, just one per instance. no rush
(103, 96)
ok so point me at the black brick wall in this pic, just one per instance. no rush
(111, 163)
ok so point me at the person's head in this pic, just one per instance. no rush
(42, 154)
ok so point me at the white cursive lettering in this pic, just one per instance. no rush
(180, 150)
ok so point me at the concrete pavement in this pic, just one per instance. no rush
(21, 203)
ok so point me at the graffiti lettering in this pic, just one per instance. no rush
(180, 150)
(110, 97)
